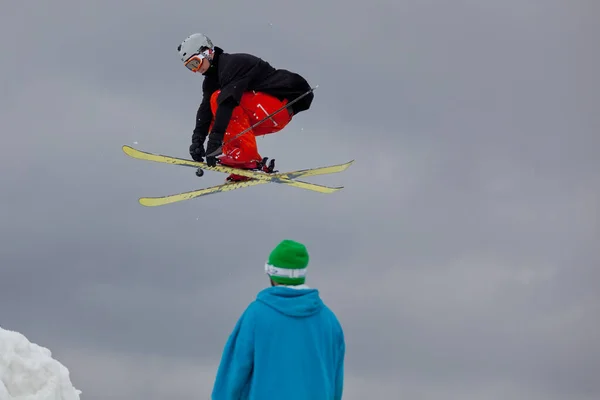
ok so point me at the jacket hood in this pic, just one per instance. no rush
(292, 302)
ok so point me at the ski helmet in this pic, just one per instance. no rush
(193, 45)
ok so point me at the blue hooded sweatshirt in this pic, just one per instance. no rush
(287, 345)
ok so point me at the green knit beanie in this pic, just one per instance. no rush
(287, 263)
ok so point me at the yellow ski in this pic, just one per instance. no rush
(174, 198)
(280, 177)
(288, 178)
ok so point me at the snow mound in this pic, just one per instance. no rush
(28, 371)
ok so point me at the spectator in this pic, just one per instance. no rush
(287, 344)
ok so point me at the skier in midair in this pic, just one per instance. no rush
(238, 91)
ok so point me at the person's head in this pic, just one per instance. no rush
(287, 264)
(196, 52)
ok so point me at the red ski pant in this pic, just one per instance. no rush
(253, 107)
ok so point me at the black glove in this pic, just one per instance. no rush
(214, 144)
(197, 151)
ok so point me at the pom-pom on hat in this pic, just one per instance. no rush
(287, 263)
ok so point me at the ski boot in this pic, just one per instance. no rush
(237, 178)
(267, 168)
(262, 165)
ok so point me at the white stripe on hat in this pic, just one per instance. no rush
(284, 272)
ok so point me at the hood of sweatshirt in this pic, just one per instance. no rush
(294, 302)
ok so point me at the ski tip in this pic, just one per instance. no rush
(152, 201)
(332, 189)
(145, 202)
(347, 165)
(127, 149)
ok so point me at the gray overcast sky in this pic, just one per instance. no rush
(461, 257)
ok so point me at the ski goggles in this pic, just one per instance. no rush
(195, 61)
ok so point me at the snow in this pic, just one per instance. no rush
(28, 371)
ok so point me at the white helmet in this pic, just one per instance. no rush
(193, 45)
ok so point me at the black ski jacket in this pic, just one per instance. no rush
(235, 74)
